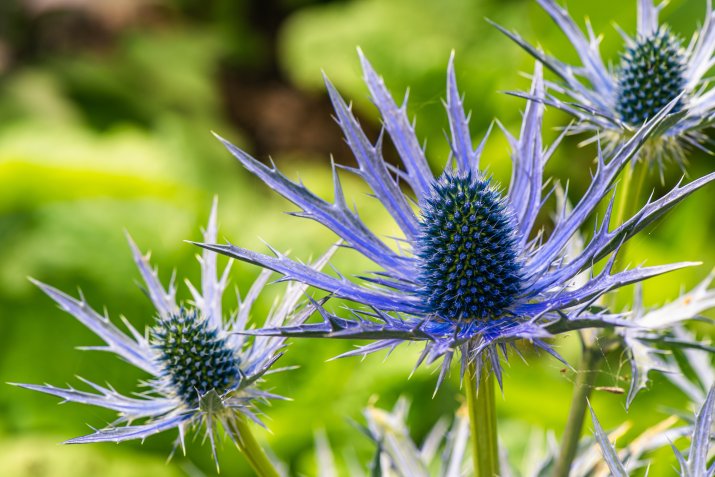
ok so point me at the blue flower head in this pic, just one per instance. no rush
(654, 70)
(472, 272)
(466, 249)
(202, 373)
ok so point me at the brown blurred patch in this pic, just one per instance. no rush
(276, 116)
(4, 56)
(280, 118)
(112, 14)
(37, 29)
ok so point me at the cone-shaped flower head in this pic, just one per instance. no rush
(651, 75)
(194, 356)
(472, 269)
(202, 372)
(468, 260)
(655, 69)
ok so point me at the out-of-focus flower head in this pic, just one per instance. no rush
(201, 372)
(472, 272)
(656, 69)
(542, 450)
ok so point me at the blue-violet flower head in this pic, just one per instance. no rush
(472, 272)
(468, 261)
(202, 372)
(655, 69)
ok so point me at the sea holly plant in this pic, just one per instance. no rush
(202, 373)
(656, 68)
(442, 452)
(648, 343)
(474, 272)
(696, 462)
(659, 331)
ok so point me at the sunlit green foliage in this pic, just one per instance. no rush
(98, 139)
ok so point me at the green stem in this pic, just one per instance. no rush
(585, 379)
(250, 448)
(483, 421)
(623, 195)
(627, 199)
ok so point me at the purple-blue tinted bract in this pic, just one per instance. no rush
(655, 68)
(202, 372)
(472, 272)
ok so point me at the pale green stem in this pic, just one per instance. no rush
(627, 199)
(585, 379)
(250, 448)
(483, 421)
(622, 192)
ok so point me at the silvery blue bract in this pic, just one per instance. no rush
(657, 331)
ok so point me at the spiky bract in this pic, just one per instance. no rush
(659, 340)
(696, 463)
(467, 250)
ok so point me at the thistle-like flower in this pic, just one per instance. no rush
(473, 270)
(202, 373)
(655, 69)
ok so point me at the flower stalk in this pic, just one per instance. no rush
(482, 420)
(585, 379)
(628, 194)
(249, 446)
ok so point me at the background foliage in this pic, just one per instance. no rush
(105, 113)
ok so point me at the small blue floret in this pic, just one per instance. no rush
(468, 257)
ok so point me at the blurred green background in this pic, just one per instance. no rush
(106, 110)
